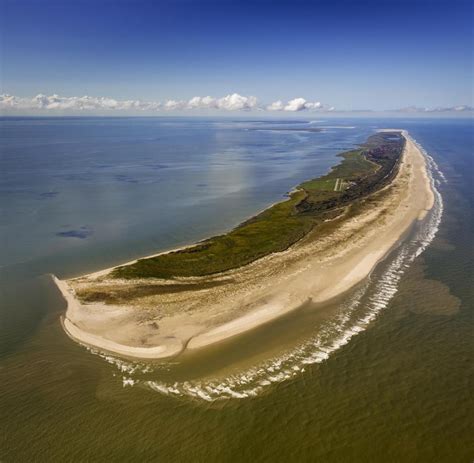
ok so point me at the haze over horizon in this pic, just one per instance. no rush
(183, 57)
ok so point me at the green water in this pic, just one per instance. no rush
(401, 390)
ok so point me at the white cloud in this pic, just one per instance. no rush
(300, 104)
(172, 105)
(297, 104)
(462, 108)
(276, 106)
(202, 102)
(231, 102)
(8, 101)
(237, 102)
(314, 105)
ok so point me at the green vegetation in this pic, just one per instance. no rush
(320, 185)
(361, 172)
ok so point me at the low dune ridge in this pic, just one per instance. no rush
(194, 312)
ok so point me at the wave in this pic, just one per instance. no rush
(351, 318)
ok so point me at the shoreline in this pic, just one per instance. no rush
(307, 276)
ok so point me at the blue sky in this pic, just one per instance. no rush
(345, 54)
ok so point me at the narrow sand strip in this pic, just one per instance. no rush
(317, 269)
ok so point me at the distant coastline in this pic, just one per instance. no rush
(148, 316)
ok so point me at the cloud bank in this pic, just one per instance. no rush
(231, 102)
(74, 103)
(438, 109)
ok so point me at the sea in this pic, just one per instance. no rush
(382, 374)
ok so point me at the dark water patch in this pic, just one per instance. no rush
(48, 194)
(81, 233)
(125, 178)
(159, 166)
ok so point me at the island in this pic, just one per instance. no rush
(326, 237)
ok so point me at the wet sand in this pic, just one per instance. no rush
(318, 268)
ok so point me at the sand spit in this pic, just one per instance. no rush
(163, 323)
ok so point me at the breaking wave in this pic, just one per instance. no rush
(351, 318)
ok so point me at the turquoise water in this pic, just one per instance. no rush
(83, 194)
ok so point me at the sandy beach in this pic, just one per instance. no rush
(191, 313)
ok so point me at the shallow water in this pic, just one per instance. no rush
(383, 374)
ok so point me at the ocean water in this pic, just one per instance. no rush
(384, 374)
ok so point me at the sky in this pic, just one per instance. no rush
(282, 56)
